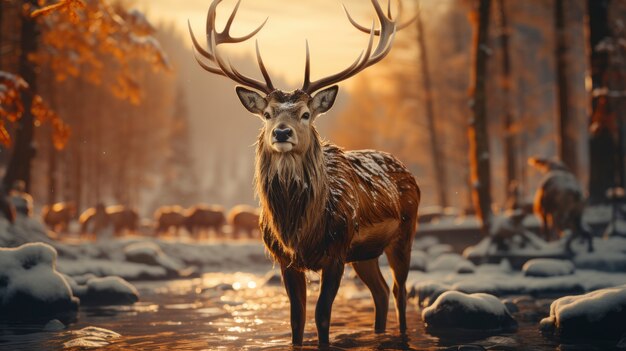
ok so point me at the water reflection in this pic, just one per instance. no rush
(240, 311)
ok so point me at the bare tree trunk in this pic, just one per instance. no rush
(511, 171)
(567, 128)
(78, 146)
(2, 11)
(97, 150)
(52, 152)
(478, 134)
(435, 146)
(602, 146)
(24, 151)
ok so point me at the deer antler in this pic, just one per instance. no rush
(215, 63)
(367, 58)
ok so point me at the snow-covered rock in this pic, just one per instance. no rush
(419, 260)
(546, 267)
(424, 242)
(427, 292)
(96, 291)
(25, 230)
(602, 261)
(54, 325)
(599, 314)
(30, 286)
(439, 249)
(149, 253)
(454, 309)
(104, 268)
(450, 262)
(109, 291)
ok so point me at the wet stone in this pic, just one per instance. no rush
(54, 325)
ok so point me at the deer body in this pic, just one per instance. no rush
(321, 207)
(363, 201)
(368, 206)
(560, 202)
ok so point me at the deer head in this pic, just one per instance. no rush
(289, 116)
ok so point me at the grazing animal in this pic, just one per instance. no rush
(93, 221)
(58, 216)
(559, 202)
(168, 218)
(205, 218)
(322, 207)
(123, 218)
(244, 218)
(120, 217)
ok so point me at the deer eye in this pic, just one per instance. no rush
(306, 116)
(267, 115)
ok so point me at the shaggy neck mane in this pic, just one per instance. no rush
(293, 192)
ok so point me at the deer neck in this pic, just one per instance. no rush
(293, 189)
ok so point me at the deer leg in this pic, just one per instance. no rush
(399, 257)
(369, 272)
(295, 284)
(331, 278)
(584, 233)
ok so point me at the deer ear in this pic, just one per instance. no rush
(324, 100)
(251, 100)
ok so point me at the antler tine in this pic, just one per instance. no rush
(230, 72)
(387, 33)
(307, 68)
(196, 45)
(377, 31)
(354, 68)
(210, 22)
(215, 64)
(266, 75)
(356, 24)
(231, 18)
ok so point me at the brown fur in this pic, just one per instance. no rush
(58, 216)
(322, 207)
(243, 218)
(311, 216)
(204, 218)
(93, 221)
(560, 207)
(122, 219)
(168, 218)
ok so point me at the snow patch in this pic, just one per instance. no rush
(450, 262)
(545, 267)
(599, 314)
(30, 286)
(454, 309)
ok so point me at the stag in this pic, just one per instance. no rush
(323, 207)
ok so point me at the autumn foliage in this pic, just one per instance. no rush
(11, 109)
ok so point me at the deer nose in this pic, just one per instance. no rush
(282, 134)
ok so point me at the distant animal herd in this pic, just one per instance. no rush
(197, 222)
(559, 203)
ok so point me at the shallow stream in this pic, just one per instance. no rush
(207, 314)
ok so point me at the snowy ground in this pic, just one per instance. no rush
(439, 277)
